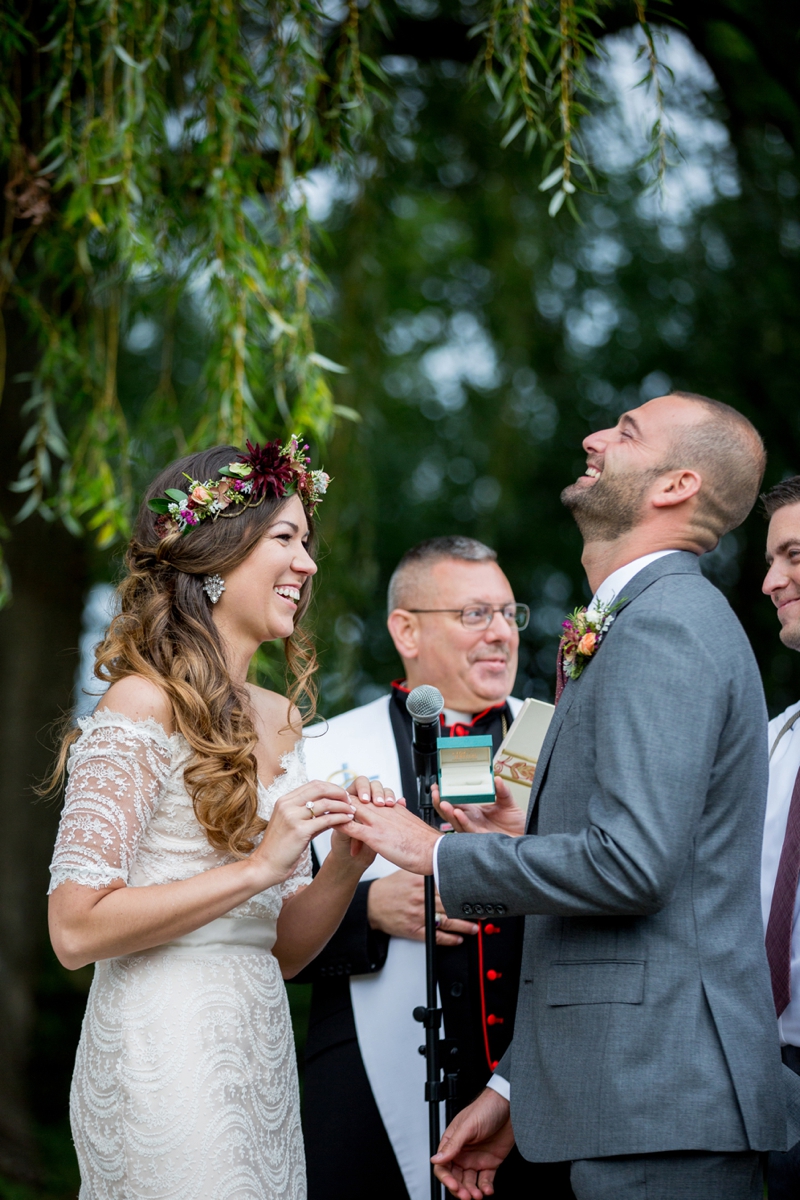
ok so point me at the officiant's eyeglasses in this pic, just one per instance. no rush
(480, 616)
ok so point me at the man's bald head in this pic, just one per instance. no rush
(676, 473)
(411, 573)
(727, 452)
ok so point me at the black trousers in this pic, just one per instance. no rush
(783, 1170)
(348, 1152)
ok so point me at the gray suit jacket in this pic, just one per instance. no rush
(645, 1019)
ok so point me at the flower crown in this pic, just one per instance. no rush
(264, 471)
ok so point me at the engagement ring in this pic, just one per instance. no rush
(310, 807)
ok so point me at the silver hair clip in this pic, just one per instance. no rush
(213, 587)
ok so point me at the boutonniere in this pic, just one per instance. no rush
(583, 632)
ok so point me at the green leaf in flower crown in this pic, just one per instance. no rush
(176, 495)
(159, 506)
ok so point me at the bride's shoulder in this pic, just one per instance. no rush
(138, 699)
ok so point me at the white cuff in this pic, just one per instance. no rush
(500, 1085)
(436, 846)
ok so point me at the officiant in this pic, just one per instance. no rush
(455, 623)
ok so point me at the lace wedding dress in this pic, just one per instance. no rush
(185, 1084)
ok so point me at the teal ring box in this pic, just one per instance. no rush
(465, 770)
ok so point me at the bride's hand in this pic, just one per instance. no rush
(299, 816)
(368, 791)
(372, 791)
(501, 817)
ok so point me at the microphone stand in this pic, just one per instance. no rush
(430, 1016)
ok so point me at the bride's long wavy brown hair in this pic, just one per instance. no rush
(165, 632)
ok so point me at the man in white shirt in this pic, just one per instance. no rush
(780, 858)
(455, 624)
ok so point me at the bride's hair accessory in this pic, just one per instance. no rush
(268, 471)
(213, 587)
(583, 632)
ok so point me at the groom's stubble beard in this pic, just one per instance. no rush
(790, 635)
(611, 507)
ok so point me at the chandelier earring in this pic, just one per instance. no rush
(213, 587)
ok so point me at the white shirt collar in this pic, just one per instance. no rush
(611, 587)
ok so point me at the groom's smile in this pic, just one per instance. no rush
(592, 473)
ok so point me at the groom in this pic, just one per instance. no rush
(644, 1050)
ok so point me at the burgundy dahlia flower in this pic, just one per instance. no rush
(272, 470)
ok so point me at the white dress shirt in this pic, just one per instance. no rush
(783, 768)
(609, 592)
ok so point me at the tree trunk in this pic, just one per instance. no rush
(39, 634)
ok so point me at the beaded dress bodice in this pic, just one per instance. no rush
(129, 816)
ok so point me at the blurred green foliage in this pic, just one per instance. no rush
(152, 153)
(156, 158)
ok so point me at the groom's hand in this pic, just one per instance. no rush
(501, 817)
(397, 834)
(473, 1147)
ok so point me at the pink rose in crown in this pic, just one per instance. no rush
(587, 643)
(200, 494)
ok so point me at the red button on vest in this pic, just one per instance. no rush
(494, 975)
(493, 1020)
(491, 928)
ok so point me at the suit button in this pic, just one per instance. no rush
(500, 909)
(489, 909)
(456, 989)
(466, 910)
(478, 910)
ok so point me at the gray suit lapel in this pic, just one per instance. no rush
(679, 563)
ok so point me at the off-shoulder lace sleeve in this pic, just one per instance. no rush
(297, 773)
(117, 770)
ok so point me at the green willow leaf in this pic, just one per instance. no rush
(518, 125)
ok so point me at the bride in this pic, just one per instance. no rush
(182, 866)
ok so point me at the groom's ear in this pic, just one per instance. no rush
(675, 487)
(404, 629)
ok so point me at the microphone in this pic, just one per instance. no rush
(425, 704)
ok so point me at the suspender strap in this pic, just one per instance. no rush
(785, 729)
